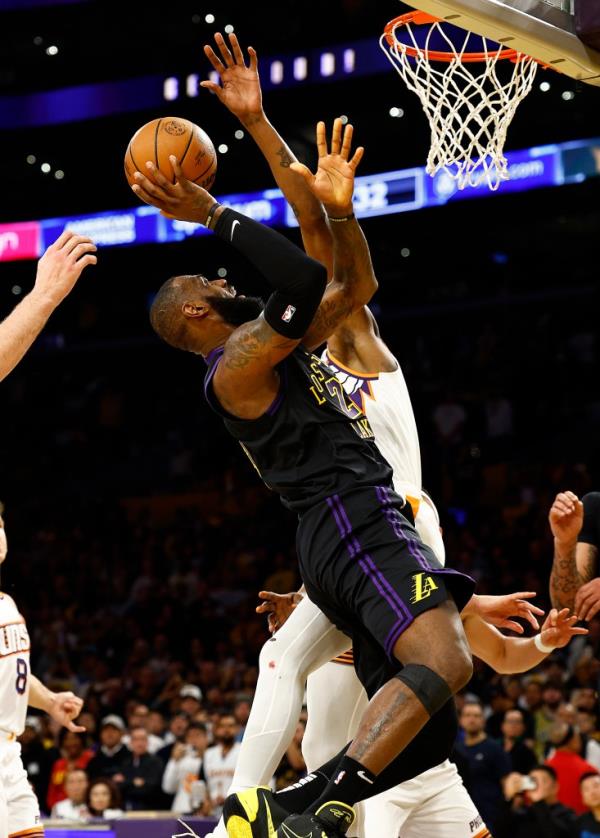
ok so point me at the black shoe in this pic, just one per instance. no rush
(330, 820)
(253, 813)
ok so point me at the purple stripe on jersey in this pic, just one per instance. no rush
(392, 517)
(213, 354)
(370, 569)
(392, 592)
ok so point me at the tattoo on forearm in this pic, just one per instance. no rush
(286, 157)
(565, 578)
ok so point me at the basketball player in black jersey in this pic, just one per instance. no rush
(360, 557)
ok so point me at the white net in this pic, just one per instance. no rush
(468, 105)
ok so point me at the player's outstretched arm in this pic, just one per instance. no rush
(241, 94)
(508, 655)
(62, 707)
(498, 610)
(58, 270)
(574, 563)
(354, 281)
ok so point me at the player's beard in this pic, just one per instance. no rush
(237, 310)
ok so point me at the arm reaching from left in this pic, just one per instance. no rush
(58, 270)
(62, 707)
(508, 655)
(497, 610)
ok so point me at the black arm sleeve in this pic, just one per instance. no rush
(298, 281)
(590, 531)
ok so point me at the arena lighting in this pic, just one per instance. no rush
(567, 95)
(375, 195)
(209, 18)
(229, 29)
(405, 252)
(59, 174)
(349, 60)
(276, 73)
(327, 64)
(191, 85)
(300, 68)
(344, 119)
(239, 134)
(52, 50)
(171, 89)
(545, 86)
(31, 158)
(223, 149)
(45, 167)
(222, 272)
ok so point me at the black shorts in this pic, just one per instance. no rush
(366, 568)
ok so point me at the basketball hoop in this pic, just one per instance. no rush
(469, 107)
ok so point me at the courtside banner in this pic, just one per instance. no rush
(20, 240)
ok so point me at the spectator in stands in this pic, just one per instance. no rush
(103, 800)
(191, 698)
(545, 716)
(37, 759)
(140, 780)
(521, 757)
(486, 762)
(533, 810)
(219, 763)
(111, 755)
(140, 717)
(183, 768)
(73, 807)
(588, 824)
(176, 733)
(568, 764)
(157, 726)
(74, 755)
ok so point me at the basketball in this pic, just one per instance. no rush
(158, 139)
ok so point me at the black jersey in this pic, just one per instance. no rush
(313, 441)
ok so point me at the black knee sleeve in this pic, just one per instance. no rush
(431, 690)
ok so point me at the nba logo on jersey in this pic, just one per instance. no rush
(288, 314)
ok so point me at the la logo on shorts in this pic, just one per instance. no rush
(288, 314)
(422, 587)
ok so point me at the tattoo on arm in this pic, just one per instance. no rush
(566, 578)
(253, 343)
(286, 157)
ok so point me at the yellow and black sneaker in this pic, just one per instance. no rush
(329, 821)
(253, 813)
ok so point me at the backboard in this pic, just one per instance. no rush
(544, 29)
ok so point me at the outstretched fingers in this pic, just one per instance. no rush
(321, 139)
(214, 59)
(237, 50)
(358, 156)
(224, 50)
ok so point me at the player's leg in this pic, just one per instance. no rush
(397, 590)
(446, 810)
(304, 642)
(335, 700)
(387, 813)
(22, 804)
(427, 524)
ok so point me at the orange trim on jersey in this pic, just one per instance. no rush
(20, 622)
(415, 503)
(33, 830)
(346, 658)
(19, 652)
(349, 369)
(485, 833)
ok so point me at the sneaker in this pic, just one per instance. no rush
(253, 813)
(329, 821)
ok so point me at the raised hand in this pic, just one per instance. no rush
(333, 183)
(240, 86)
(62, 264)
(559, 628)
(566, 517)
(587, 600)
(183, 199)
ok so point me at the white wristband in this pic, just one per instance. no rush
(539, 644)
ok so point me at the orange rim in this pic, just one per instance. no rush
(422, 18)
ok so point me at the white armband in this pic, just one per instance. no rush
(539, 644)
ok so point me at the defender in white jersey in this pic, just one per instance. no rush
(372, 376)
(19, 810)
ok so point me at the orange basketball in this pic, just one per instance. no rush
(157, 140)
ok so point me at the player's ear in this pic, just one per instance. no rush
(195, 309)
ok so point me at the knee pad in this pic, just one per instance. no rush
(431, 690)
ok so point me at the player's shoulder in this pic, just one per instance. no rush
(591, 502)
(7, 603)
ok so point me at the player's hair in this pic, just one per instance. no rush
(587, 776)
(549, 771)
(165, 313)
(115, 794)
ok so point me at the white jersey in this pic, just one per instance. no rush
(218, 770)
(14, 667)
(384, 399)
